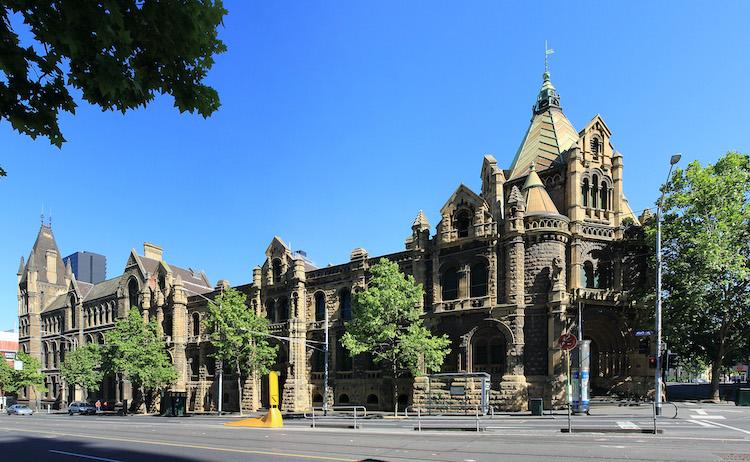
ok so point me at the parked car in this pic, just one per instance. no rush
(81, 407)
(19, 409)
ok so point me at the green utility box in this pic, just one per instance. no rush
(536, 406)
(173, 403)
(743, 397)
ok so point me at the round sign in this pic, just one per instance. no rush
(567, 341)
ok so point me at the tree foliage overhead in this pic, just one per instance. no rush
(706, 241)
(118, 53)
(240, 336)
(82, 367)
(30, 376)
(387, 323)
(137, 350)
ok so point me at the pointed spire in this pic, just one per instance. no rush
(32, 261)
(537, 198)
(547, 97)
(68, 268)
(421, 221)
(21, 267)
(515, 196)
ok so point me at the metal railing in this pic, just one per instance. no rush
(357, 412)
(418, 410)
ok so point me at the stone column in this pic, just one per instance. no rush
(179, 334)
(296, 397)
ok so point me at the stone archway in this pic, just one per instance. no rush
(490, 347)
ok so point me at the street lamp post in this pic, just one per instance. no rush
(325, 366)
(657, 395)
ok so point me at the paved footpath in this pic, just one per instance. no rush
(699, 433)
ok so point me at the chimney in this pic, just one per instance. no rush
(152, 251)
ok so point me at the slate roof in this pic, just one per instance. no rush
(45, 241)
(194, 281)
(538, 201)
(103, 289)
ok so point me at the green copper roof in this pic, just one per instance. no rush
(550, 134)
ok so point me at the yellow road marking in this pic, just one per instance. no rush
(183, 445)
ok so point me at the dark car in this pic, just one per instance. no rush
(80, 407)
(19, 409)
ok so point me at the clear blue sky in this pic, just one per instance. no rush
(340, 120)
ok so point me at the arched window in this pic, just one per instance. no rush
(270, 310)
(344, 399)
(449, 282)
(196, 324)
(603, 195)
(320, 306)
(463, 223)
(594, 191)
(588, 275)
(585, 192)
(276, 265)
(372, 399)
(167, 324)
(596, 146)
(73, 312)
(283, 309)
(133, 293)
(605, 276)
(45, 356)
(488, 351)
(343, 358)
(479, 274)
(345, 304)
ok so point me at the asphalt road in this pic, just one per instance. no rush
(700, 433)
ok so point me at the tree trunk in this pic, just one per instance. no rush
(395, 392)
(239, 385)
(716, 368)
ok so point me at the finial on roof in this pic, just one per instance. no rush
(21, 267)
(68, 268)
(547, 52)
(515, 196)
(548, 96)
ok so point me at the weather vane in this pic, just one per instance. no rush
(547, 52)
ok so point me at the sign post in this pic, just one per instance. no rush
(567, 341)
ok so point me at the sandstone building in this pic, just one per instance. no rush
(505, 272)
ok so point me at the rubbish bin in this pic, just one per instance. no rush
(743, 397)
(536, 405)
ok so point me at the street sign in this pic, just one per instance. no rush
(567, 341)
(643, 333)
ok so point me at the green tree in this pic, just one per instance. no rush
(82, 367)
(387, 323)
(6, 376)
(240, 337)
(118, 53)
(136, 350)
(29, 376)
(706, 232)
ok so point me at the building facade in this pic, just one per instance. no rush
(505, 272)
(88, 266)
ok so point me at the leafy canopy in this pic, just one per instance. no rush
(30, 376)
(706, 236)
(118, 53)
(239, 335)
(137, 350)
(387, 323)
(82, 367)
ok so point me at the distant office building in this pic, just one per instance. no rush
(88, 266)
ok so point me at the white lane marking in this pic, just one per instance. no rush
(708, 417)
(700, 411)
(84, 456)
(731, 428)
(627, 425)
(610, 446)
(689, 404)
(702, 424)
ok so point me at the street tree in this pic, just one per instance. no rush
(82, 367)
(387, 324)
(136, 350)
(30, 376)
(707, 261)
(6, 377)
(240, 337)
(118, 54)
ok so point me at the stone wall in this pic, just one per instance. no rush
(433, 395)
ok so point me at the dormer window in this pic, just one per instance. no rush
(596, 147)
(276, 264)
(463, 223)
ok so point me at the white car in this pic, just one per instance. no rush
(19, 409)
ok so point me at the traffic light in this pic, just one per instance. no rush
(673, 360)
(652, 362)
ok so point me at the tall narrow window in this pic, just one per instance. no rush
(463, 223)
(588, 275)
(320, 306)
(449, 282)
(133, 294)
(73, 312)
(594, 191)
(276, 264)
(479, 276)
(196, 324)
(270, 310)
(603, 195)
(585, 192)
(283, 309)
(345, 304)
(596, 146)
